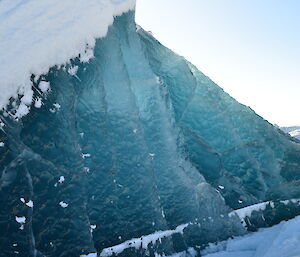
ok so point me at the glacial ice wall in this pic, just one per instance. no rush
(134, 144)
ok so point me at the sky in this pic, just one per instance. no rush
(250, 48)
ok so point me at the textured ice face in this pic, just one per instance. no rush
(133, 145)
(228, 143)
(37, 35)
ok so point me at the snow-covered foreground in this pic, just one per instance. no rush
(282, 240)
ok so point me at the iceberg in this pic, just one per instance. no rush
(132, 151)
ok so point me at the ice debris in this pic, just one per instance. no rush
(21, 220)
(63, 204)
(61, 179)
(30, 204)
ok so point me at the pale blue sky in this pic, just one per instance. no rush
(251, 48)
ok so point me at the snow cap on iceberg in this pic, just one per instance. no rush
(37, 35)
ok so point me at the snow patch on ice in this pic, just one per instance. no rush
(73, 70)
(59, 31)
(21, 220)
(142, 242)
(44, 86)
(38, 103)
(63, 204)
(61, 179)
(247, 211)
(22, 110)
(30, 203)
(92, 228)
(56, 107)
(85, 155)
